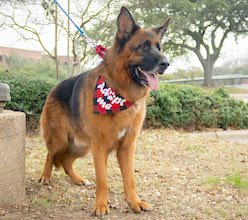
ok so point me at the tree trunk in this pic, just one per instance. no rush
(207, 65)
(68, 40)
(208, 73)
(56, 42)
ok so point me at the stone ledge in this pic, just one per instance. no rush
(12, 124)
(4, 92)
(12, 157)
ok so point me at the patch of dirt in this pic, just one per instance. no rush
(174, 172)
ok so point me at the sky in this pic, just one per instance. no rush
(232, 49)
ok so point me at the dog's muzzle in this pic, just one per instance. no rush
(163, 65)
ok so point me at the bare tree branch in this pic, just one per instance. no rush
(29, 30)
(218, 49)
(96, 14)
(86, 9)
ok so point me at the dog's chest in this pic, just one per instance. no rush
(121, 133)
(127, 121)
(109, 129)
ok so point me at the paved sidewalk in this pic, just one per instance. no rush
(239, 136)
(243, 97)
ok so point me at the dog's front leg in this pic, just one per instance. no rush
(125, 155)
(100, 155)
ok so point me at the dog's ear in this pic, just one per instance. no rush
(126, 24)
(162, 29)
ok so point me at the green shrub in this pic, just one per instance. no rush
(180, 106)
(27, 95)
(190, 107)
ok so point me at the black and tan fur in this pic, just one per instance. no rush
(71, 130)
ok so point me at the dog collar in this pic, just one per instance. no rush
(106, 100)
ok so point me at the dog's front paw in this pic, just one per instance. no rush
(137, 206)
(101, 209)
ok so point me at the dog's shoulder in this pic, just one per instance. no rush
(75, 97)
(62, 92)
(65, 91)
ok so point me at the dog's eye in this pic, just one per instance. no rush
(144, 46)
(158, 47)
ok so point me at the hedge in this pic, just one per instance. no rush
(189, 107)
(27, 95)
(179, 106)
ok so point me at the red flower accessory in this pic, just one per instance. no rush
(106, 100)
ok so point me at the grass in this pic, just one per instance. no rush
(194, 148)
(170, 166)
(235, 180)
(214, 180)
(43, 203)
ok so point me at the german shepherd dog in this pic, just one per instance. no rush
(71, 127)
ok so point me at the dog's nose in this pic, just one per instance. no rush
(164, 64)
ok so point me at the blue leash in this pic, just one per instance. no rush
(100, 50)
(78, 28)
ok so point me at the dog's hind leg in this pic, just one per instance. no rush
(55, 147)
(46, 175)
(67, 162)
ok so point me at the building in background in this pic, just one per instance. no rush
(27, 54)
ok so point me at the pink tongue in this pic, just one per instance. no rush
(152, 81)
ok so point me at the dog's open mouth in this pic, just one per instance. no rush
(146, 78)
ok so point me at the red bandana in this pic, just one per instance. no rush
(106, 101)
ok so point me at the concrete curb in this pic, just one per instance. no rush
(240, 136)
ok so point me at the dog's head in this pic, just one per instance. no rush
(140, 50)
